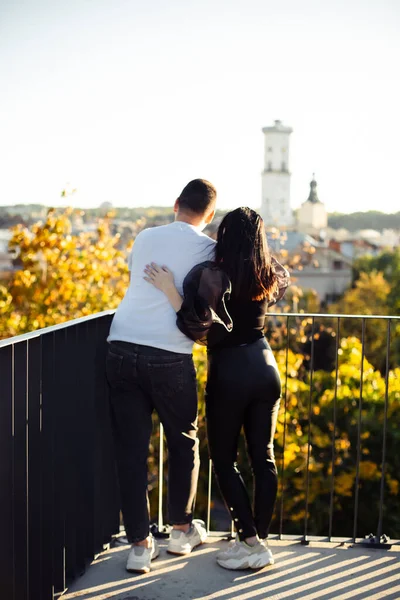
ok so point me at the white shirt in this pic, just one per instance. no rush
(145, 315)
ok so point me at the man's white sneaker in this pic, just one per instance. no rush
(140, 557)
(183, 543)
(242, 556)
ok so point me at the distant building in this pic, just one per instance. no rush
(388, 238)
(330, 279)
(106, 206)
(312, 216)
(5, 237)
(319, 267)
(275, 202)
(6, 257)
(366, 242)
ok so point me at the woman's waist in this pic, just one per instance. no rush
(260, 343)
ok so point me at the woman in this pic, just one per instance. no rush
(243, 387)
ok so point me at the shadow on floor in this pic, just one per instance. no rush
(318, 571)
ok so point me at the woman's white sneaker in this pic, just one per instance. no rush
(183, 543)
(265, 544)
(140, 557)
(242, 556)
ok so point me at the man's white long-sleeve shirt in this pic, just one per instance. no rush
(145, 315)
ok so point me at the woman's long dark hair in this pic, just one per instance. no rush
(242, 252)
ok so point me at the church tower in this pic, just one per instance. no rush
(275, 206)
(312, 217)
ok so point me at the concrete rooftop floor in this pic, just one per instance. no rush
(318, 571)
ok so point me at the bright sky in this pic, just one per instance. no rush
(129, 99)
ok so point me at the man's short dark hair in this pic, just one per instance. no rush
(197, 197)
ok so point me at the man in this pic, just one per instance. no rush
(149, 366)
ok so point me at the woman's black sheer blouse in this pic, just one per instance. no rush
(209, 316)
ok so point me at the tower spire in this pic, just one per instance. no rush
(313, 197)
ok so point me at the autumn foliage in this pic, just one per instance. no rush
(61, 274)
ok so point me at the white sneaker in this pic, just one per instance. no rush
(140, 557)
(183, 543)
(271, 556)
(242, 556)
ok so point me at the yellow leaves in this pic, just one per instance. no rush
(321, 439)
(291, 452)
(64, 275)
(342, 444)
(5, 299)
(297, 516)
(369, 470)
(26, 278)
(344, 484)
(200, 361)
(393, 485)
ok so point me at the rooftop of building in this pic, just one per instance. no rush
(277, 127)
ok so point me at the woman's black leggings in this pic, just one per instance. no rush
(243, 390)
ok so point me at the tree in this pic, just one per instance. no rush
(370, 296)
(61, 275)
(344, 435)
(388, 264)
(372, 219)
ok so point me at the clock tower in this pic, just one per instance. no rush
(275, 202)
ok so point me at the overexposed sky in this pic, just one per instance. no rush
(127, 100)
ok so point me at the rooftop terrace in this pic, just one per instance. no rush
(338, 449)
(319, 571)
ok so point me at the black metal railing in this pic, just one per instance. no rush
(58, 494)
(364, 351)
(58, 498)
(330, 486)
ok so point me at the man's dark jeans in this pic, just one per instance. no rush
(142, 379)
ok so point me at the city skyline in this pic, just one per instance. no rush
(128, 102)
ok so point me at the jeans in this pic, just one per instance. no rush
(143, 379)
(243, 390)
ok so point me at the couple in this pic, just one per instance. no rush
(215, 293)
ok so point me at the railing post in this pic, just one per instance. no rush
(6, 473)
(35, 514)
(359, 424)
(305, 540)
(20, 402)
(209, 495)
(381, 540)
(161, 479)
(282, 477)
(332, 492)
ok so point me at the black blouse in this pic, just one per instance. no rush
(248, 323)
(210, 316)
